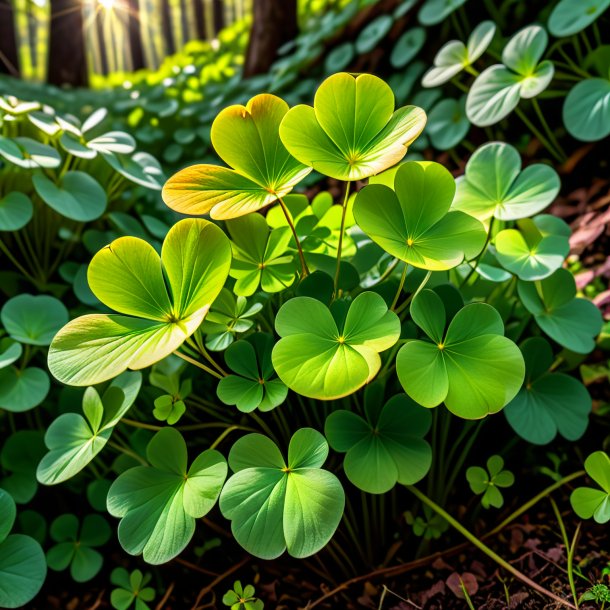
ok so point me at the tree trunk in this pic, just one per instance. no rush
(274, 23)
(67, 60)
(8, 43)
(135, 35)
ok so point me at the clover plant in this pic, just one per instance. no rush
(330, 344)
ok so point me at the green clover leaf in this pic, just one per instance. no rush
(415, 223)
(488, 482)
(471, 366)
(385, 448)
(255, 385)
(547, 403)
(128, 276)
(572, 322)
(158, 504)
(589, 502)
(275, 505)
(132, 589)
(537, 249)
(352, 131)
(20, 455)
(585, 112)
(434, 11)
(21, 390)
(328, 353)
(16, 211)
(229, 316)
(454, 56)
(260, 256)
(23, 568)
(258, 178)
(76, 545)
(494, 185)
(497, 90)
(73, 440)
(572, 16)
(448, 124)
(242, 598)
(22, 320)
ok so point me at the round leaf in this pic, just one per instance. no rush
(33, 320)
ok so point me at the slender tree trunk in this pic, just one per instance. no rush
(67, 60)
(8, 43)
(274, 23)
(135, 34)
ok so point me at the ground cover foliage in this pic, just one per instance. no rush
(333, 336)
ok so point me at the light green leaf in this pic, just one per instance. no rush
(319, 359)
(572, 16)
(73, 440)
(537, 249)
(474, 369)
(22, 317)
(260, 256)
(415, 223)
(258, 178)
(158, 504)
(274, 507)
(572, 322)
(585, 110)
(589, 502)
(495, 185)
(128, 276)
(352, 132)
(454, 55)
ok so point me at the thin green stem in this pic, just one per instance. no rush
(129, 452)
(570, 548)
(412, 296)
(342, 231)
(199, 347)
(198, 364)
(536, 132)
(484, 548)
(16, 263)
(304, 269)
(137, 424)
(473, 264)
(401, 285)
(223, 435)
(546, 128)
(543, 494)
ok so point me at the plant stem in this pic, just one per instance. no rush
(199, 347)
(536, 132)
(129, 452)
(570, 548)
(484, 548)
(137, 424)
(342, 230)
(543, 494)
(412, 296)
(401, 285)
(198, 364)
(304, 269)
(479, 256)
(223, 435)
(546, 128)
